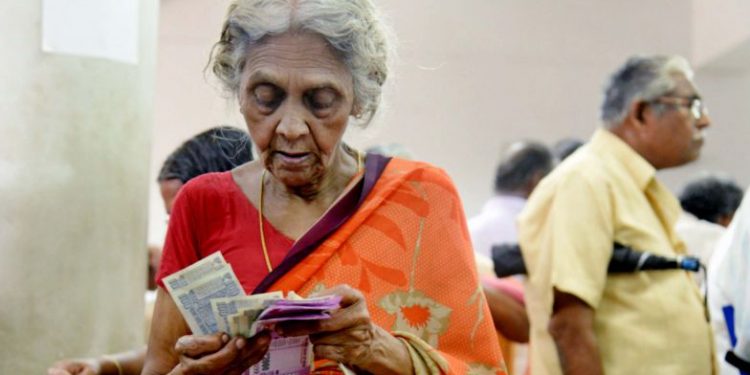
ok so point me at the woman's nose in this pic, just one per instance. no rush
(293, 123)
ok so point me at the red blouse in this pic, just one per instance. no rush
(211, 213)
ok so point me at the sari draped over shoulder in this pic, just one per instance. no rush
(405, 245)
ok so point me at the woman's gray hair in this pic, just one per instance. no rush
(641, 78)
(352, 27)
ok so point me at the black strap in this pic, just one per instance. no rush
(737, 362)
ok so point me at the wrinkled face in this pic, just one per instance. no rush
(675, 137)
(296, 97)
(169, 189)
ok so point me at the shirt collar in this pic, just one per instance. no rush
(606, 143)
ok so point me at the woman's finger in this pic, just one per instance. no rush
(217, 362)
(351, 316)
(195, 346)
(254, 350)
(237, 355)
(349, 295)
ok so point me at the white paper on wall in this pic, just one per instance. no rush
(93, 28)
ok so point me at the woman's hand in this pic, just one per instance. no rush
(75, 367)
(218, 354)
(351, 338)
(171, 351)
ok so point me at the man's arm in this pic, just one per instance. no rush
(572, 328)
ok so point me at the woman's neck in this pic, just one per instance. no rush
(326, 189)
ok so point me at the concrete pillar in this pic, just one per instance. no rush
(74, 143)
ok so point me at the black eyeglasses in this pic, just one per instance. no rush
(697, 107)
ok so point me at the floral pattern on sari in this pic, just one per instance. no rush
(417, 314)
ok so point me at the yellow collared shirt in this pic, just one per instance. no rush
(649, 322)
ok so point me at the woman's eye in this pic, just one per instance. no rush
(267, 96)
(321, 99)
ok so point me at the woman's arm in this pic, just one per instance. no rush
(124, 363)
(172, 350)
(131, 362)
(167, 326)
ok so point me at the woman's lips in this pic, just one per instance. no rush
(293, 158)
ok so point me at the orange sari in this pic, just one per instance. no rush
(407, 249)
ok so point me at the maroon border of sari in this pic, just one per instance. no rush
(336, 216)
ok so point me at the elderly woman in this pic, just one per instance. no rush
(314, 216)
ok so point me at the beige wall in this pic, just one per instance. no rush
(74, 140)
(473, 76)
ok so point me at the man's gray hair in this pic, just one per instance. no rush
(352, 27)
(641, 78)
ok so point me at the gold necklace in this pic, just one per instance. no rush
(260, 212)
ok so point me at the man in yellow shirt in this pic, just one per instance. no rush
(584, 321)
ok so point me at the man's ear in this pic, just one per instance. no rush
(636, 114)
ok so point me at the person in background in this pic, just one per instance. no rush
(566, 147)
(521, 168)
(217, 149)
(729, 296)
(711, 199)
(584, 321)
(523, 165)
(317, 217)
(708, 205)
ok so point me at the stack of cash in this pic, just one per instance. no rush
(212, 300)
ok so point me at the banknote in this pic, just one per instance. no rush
(309, 309)
(194, 301)
(195, 272)
(222, 308)
(233, 324)
(286, 355)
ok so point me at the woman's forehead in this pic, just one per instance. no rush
(299, 53)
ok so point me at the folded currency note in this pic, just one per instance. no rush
(211, 299)
(310, 309)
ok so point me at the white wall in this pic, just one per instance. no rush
(74, 139)
(504, 70)
(473, 76)
(718, 26)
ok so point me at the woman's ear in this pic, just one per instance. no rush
(356, 110)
